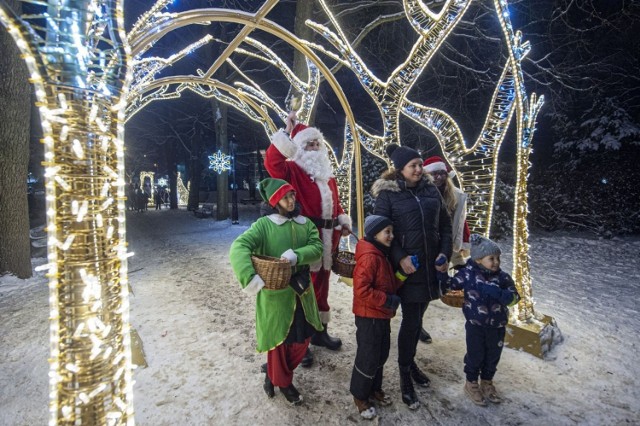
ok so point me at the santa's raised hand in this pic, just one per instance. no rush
(291, 121)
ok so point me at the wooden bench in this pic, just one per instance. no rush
(205, 210)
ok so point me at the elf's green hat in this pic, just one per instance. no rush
(272, 190)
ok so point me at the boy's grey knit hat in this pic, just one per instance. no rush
(374, 224)
(482, 247)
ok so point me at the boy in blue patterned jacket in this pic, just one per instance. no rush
(488, 293)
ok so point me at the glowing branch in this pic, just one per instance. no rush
(308, 89)
(145, 69)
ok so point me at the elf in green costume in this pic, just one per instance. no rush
(287, 318)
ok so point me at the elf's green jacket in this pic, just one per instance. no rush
(271, 236)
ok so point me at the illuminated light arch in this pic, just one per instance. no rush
(197, 85)
(151, 176)
(351, 149)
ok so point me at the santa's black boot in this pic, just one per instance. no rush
(322, 338)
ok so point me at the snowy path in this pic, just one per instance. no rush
(198, 336)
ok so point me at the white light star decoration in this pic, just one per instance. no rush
(219, 162)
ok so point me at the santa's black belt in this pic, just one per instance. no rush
(325, 223)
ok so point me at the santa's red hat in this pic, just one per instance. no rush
(435, 163)
(301, 134)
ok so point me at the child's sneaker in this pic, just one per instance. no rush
(366, 410)
(472, 389)
(489, 391)
(381, 398)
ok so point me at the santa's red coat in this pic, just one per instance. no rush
(309, 192)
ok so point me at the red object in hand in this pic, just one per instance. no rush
(466, 233)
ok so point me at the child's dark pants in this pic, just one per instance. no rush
(373, 336)
(484, 347)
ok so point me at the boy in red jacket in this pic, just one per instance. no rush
(374, 304)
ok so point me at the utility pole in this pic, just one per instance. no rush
(234, 193)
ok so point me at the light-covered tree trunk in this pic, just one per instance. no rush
(15, 121)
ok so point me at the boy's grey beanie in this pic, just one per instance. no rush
(481, 247)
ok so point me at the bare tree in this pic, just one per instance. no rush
(15, 255)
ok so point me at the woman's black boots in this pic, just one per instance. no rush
(409, 396)
(418, 376)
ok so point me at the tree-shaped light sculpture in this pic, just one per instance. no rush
(476, 164)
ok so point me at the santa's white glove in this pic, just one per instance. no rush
(254, 286)
(290, 256)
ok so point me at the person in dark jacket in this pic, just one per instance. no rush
(422, 228)
(157, 198)
(488, 293)
(374, 304)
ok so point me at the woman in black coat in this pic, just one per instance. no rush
(422, 228)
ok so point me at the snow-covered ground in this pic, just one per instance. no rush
(198, 333)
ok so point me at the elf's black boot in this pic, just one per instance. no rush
(322, 338)
(409, 396)
(291, 394)
(268, 387)
(307, 361)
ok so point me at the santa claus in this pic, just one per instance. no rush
(299, 155)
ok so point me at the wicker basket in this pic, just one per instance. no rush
(275, 272)
(454, 298)
(343, 263)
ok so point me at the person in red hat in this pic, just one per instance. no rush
(288, 235)
(299, 155)
(456, 203)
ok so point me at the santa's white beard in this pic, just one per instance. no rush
(315, 163)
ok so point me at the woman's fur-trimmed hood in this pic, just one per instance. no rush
(388, 181)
